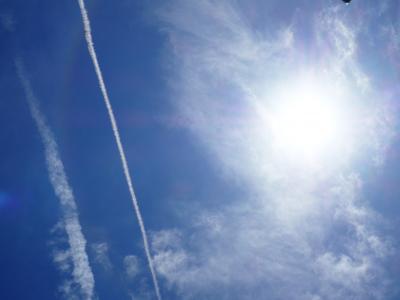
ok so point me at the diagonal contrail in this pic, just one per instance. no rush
(82, 273)
(92, 52)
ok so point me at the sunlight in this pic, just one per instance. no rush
(306, 121)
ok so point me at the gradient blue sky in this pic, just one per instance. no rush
(229, 213)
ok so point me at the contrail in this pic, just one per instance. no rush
(81, 272)
(92, 52)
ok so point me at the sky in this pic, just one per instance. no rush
(261, 137)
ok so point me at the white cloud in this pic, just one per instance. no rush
(8, 21)
(303, 231)
(327, 254)
(342, 270)
(101, 256)
(131, 265)
(74, 259)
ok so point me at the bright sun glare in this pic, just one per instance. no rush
(305, 121)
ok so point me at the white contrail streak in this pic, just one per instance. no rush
(81, 272)
(92, 52)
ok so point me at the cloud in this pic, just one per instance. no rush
(8, 21)
(74, 259)
(101, 255)
(131, 265)
(303, 231)
(332, 253)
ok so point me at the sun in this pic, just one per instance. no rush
(306, 120)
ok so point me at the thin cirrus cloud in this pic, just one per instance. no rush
(7, 21)
(74, 259)
(101, 255)
(131, 266)
(304, 231)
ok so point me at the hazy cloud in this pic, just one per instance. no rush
(7, 21)
(101, 255)
(303, 231)
(131, 265)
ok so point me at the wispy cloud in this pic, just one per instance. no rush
(101, 255)
(92, 52)
(7, 21)
(304, 231)
(75, 258)
(131, 265)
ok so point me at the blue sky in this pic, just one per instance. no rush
(261, 136)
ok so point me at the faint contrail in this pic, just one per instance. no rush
(82, 273)
(92, 52)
